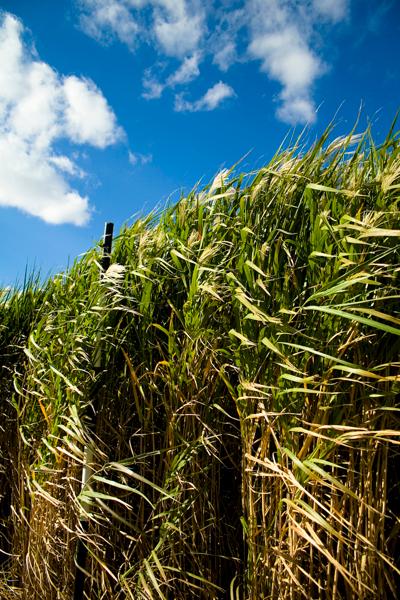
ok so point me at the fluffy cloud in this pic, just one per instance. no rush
(176, 27)
(29, 181)
(211, 99)
(280, 34)
(106, 19)
(179, 26)
(88, 118)
(280, 43)
(38, 107)
(187, 71)
(224, 40)
(65, 164)
(152, 87)
(225, 55)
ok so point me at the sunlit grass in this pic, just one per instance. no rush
(247, 408)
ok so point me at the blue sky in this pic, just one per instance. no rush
(109, 108)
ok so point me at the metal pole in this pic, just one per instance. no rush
(81, 550)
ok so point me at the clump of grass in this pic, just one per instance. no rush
(247, 400)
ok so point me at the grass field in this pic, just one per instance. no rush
(241, 354)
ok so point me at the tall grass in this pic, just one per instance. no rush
(247, 404)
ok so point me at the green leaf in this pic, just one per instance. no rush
(352, 317)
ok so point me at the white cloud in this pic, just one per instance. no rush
(139, 159)
(29, 182)
(296, 110)
(210, 101)
(187, 71)
(224, 39)
(286, 58)
(225, 55)
(106, 19)
(11, 51)
(215, 95)
(331, 10)
(179, 26)
(280, 42)
(34, 111)
(66, 165)
(281, 34)
(37, 109)
(88, 118)
(152, 87)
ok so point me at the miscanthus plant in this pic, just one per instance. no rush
(240, 362)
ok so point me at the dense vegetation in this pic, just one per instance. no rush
(241, 359)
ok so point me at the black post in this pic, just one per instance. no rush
(81, 550)
(107, 245)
